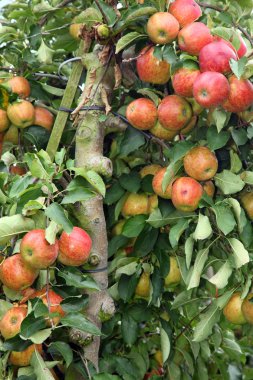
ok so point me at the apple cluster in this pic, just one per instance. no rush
(203, 82)
(239, 311)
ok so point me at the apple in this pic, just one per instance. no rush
(162, 28)
(159, 357)
(43, 118)
(11, 135)
(157, 185)
(233, 310)
(16, 274)
(157, 372)
(75, 30)
(11, 321)
(4, 121)
(163, 133)
(174, 112)
(23, 358)
(21, 113)
(184, 78)
(247, 308)
(211, 89)
(142, 113)
(74, 248)
(200, 163)
(216, 57)
(193, 37)
(186, 194)
(246, 116)
(240, 95)
(246, 199)
(196, 107)
(185, 11)
(17, 170)
(174, 276)
(241, 52)
(151, 69)
(152, 203)
(135, 204)
(149, 170)
(190, 126)
(18, 85)
(143, 287)
(54, 300)
(209, 188)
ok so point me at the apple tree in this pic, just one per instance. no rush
(126, 190)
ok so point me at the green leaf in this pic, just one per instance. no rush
(165, 344)
(56, 213)
(132, 140)
(105, 376)
(4, 307)
(215, 139)
(11, 226)
(220, 279)
(140, 12)
(189, 245)
(114, 193)
(198, 267)
(110, 13)
(150, 93)
(228, 182)
(247, 177)
(239, 213)
(77, 195)
(89, 17)
(171, 171)
(45, 54)
(241, 255)
(130, 182)
(177, 230)
(239, 136)
(208, 319)
(35, 166)
(224, 218)
(129, 329)
(52, 90)
(31, 325)
(64, 349)
(127, 40)
(40, 368)
(78, 321)
(238, 67)
(169, 54)
(40, 336)
(203, 229)
(145, 241)
(74, 277)
(51, 232)
(93, 178)
(133, 226)
(75, 303)
(220, 118)
(126, 286)
(235, 162)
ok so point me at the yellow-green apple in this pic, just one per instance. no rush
(11, 135)
(135, 204)
(240, 95)
(196, 107)
(246, 199)
(185, 11)
(75, 29)
(21, 113)
(142, 113)
(211, 89)
(36, 251)
(149, 170)
(23, 358)
(174, 112)
(18, 85)
(174, 275)
(246, 116)
(157, 185)
(4, 121)
(43, 118)
(53, 301)
(152, 203)
(74, 248)
(200, 163)
(193, 37)
(233, 310)
(216, 57)
(247, 308)
(151, 69)
(186, 194)
(184, 78)
(209, 188)
(163, 133)
(16, 274)
(11, 321)
(190, 126)
(143, 286)
(162, 28)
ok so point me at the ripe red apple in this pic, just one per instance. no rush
(185, 11)
(142, 113)
(241, 52)
(209, 188)
(74, 248)
(157, 185)
(174, 112)
(11, 321)
(184, 78)
(163, 133)
(21, 113)
(162, 28)
(216, 56)
(4, 121)
(150, 69)
(233, 310)
(193, 37)
(18, 85)
(186, 194)
(54, 300)
(23, 358)
(211, 89)
(240, 95)
(200, 163)
(36, 251)
(190, 126)
(16, 274)
(43, 118)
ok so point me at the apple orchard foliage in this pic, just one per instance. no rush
(171, 272)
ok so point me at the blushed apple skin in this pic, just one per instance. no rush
(240, 96)
(150, 69)
(186, 194)
(216, 57)
(21, 113)
(11, 321)
(183, 80)
(157, 185)
(19, 85)
(193, 37)
(233, 310)
(200, 163)
(43, 118)
(55, 304)
(162, 28)
(23, 358)
(185, 11)
(142, 114)
(174, 112)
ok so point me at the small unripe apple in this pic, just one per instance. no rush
(174, 112)
(142, 113)
(186, 194)
(200, 163)
(157, 185)
(103, 32)
(151, 69)
(209, 188)
(143, 287)
(174, 275)
(163, 133)
(149, 170)
(162, 28)
(185, 11)
(233, 310)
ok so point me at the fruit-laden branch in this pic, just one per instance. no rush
(89, 155)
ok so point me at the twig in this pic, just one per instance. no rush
(103, 13)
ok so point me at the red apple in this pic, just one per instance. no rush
(242, 48)
(11, 321)
(43, 118)
(216, 56)
(185, 11)
(21, 113)
(174, 112)
(193, 37)
(23, 358)
(162, 28)
(18, 85)
(36, 251)
(186, 194)
(157, 185)
(241, 51)
(54, 301)
(74, 248)
(211, 89)
(4, 121)
(16, 274)
(240, 95)
(184, 78)
(142, 113)
(150, 69)
(162, 133)
(200, 163)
